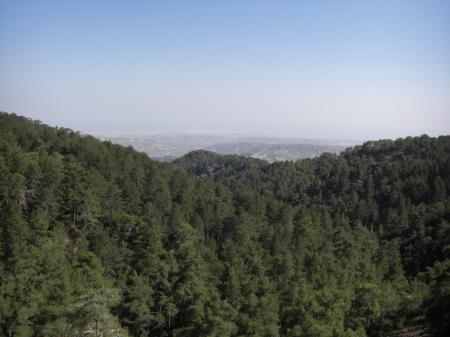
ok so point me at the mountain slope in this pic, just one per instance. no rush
(399, 189)
(98, 239)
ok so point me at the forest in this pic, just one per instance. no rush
(97, 239)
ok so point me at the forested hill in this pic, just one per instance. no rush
(99, 240)
(398, 189)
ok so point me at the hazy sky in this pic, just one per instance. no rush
(320, 69)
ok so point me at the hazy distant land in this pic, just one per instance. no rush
(170, 146)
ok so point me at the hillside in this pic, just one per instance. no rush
(99, 240)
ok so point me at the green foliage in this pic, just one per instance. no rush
(99, 240)
(438, 311)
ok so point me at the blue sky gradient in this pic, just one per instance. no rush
(320, 69)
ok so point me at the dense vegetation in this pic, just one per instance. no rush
(99, 240)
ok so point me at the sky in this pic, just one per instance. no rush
(308, 69)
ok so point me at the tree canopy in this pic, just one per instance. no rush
(99, 240)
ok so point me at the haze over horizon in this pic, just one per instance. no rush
(323, 70)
